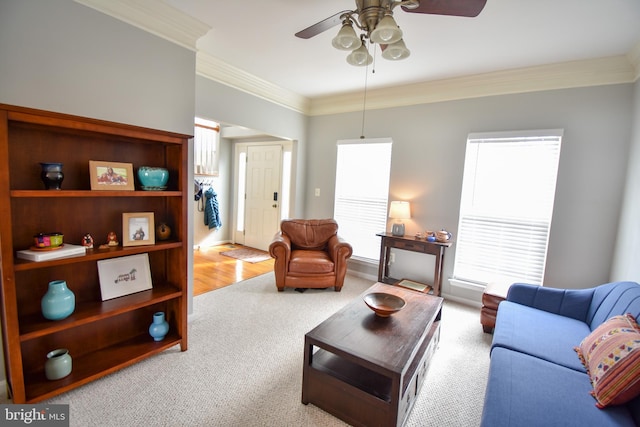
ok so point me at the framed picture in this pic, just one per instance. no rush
(138, 229)
(123, 276)
(111, 175)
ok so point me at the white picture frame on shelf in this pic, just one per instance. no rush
(124, 276)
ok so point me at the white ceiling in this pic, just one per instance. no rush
(257, 36)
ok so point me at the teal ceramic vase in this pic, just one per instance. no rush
(159, 328)
(59, 301)
(153, 178)
(58, 364)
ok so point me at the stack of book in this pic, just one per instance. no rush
(63, 251)
(416, 286)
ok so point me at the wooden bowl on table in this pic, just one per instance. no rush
(383, 304)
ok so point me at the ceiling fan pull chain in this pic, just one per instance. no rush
(364, 100)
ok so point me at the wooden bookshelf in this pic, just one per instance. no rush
(102, 336)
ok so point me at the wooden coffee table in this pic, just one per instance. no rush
(368, 370)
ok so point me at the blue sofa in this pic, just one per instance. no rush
(535, 376)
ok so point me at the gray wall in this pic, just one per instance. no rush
(221, 103)
(61, 56)
(626, 264)
(428, 158)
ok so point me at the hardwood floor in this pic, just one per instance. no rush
(213, 271)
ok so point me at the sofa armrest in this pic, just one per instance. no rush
(572, 303)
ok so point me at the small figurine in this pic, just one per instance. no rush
(87, 241)
(112, 239)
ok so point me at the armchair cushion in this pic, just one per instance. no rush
(311, 262)
(309, 234)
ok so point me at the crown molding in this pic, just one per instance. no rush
(154, 16)
(634, 58)
(215, 69)
(593, 72)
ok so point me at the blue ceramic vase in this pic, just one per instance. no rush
(59, 301)
(159, 328)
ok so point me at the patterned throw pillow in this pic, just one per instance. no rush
(611, 355)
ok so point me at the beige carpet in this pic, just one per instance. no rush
(244, 366)
(247, 254)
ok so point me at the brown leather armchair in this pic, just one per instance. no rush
(309, 253)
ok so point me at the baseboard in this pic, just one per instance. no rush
(462, 284)
(218, 243)
(363, 275)
(461, 300)
(4, 396)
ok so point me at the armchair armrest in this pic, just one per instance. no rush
(280, 247)
(338, 248)
(572, 303)
(280, 250)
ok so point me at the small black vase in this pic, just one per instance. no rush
(52, 175)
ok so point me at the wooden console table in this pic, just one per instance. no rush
(414, 245)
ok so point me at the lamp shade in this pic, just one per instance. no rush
(396, 51)
(399, 210)
(387, 31)
(360, 57)
(346, 39)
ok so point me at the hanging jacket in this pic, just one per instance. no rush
(197, 190)
(211, 209)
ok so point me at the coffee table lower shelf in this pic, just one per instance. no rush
(361, 396)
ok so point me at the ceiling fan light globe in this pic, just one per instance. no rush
(387, 31)
(360, 57)
(346, 39)
(396, 51)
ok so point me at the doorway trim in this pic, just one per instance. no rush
(287, 181)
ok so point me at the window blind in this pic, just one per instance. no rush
(506, 206)
(205, 147)
(361, 193)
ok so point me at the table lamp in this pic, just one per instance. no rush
(399, 210)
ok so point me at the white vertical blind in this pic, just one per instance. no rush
(506, 206)
(205, 147)
(361, 194)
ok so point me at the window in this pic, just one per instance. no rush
(506, 206)
(361, 194)
(205, 147)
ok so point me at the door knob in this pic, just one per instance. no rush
(274, 205)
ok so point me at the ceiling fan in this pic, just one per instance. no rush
(374, 18)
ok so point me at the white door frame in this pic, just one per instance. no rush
(240, 148)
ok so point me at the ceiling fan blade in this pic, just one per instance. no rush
(469, 8)
(321, 26)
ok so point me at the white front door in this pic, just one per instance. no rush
(262, 213)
